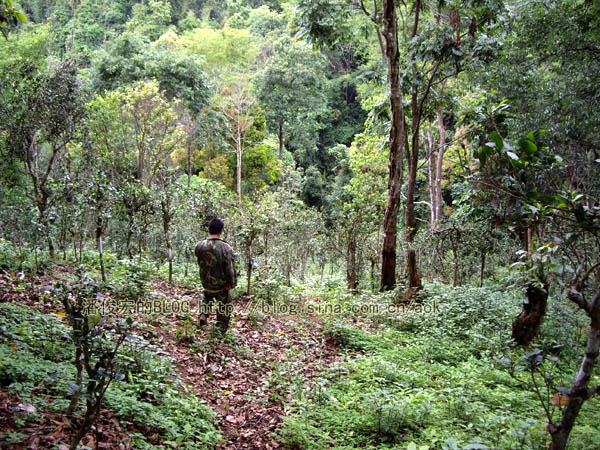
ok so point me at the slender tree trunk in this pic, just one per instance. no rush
(266, 240)
(167, 230)
(75, 246)
(249, 274)
(99, 230)
(351, 276)
(239, 168)
(129, 236)
(189, 166)
(397, 141)
(431, 165)
(455, 259)
(141, 156)
(414, 279)
(482, 268)
(47, 231)
(373, 261)
(76, 395)
(439, 164)
(580, 392)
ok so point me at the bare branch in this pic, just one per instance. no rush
(577, 297)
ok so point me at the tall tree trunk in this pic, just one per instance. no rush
(454, 244)
(189, 165)
(239, 168)
(351, 276)
(141, 156)
(414, 279)
(129, 236)
(373, 260)
(580, 392)
(482, 268)
(47, 232)
(431, 165)
(99, 231)
(249, 273)
(397, 141)
(167, 228)
(439, 163)
(412, 159)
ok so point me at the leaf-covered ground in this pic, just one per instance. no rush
(246, 377)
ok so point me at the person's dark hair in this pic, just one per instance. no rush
(215, 226)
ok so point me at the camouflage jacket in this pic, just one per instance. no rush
(217, 269)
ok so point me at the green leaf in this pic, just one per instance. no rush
(528, 146)
(562, 201)
(497, 139)
(504, 362)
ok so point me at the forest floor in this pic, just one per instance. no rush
(246, 376)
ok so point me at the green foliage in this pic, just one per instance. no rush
(291, 90)
(130, 58)
(36, 352)
(15, 259)
(26, 47)
(424, 377)
(349, 337)
(260, 167)
(221, 50)
(150, 18)
(9, 15)
(268, 285)
(131, 278)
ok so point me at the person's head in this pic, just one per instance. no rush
(215, 226)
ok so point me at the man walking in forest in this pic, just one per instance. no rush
(217, 273)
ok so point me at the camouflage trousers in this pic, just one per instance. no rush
(219, 302)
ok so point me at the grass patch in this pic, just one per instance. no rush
(430, 381)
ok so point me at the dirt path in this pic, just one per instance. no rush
(248, 376)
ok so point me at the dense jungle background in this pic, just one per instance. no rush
(411, 189)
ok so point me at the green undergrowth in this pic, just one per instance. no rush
(36, 362)
(426, 377)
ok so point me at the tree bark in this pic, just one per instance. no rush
(527, 324)
(412, 159)
(431, 165)
(239, 168)
(580, 392)
(167, 228)
(414, 279)
(438, 167)
(397, 142)
(189, 165)
(99, 230)
(351, 276)
(482, 268)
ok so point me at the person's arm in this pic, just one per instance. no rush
(230, 275)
